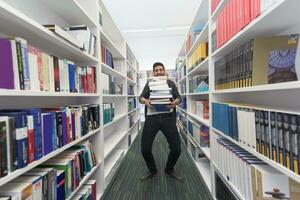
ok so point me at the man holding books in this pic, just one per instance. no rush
(160, 96)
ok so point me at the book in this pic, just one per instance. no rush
(62, 33)
(37, 185)
(21, 190)
(7, 68)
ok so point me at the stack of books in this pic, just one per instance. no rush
(160, 95)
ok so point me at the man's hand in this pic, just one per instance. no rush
(174, 103)
(148, 103)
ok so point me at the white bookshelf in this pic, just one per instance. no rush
(280, 18)
(25, 19)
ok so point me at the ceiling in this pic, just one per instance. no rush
(155, 29)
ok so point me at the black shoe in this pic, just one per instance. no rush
(148, 175)
(175, 176)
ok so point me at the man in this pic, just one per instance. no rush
(165, 122)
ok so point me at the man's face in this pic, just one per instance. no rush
(159, 71)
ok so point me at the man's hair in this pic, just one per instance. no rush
(158, 64)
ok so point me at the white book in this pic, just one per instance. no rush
(61, 75)
(159, 87)
(64, 34)
(33, 69)
(105, 83)
(66, 76)
(51, 74)
(18, 190)
(36, 181)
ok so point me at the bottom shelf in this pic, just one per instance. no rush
(203, 166)
(82, 182)
(111, 164)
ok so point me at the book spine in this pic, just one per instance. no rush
(30, 125)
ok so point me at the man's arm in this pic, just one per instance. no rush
(144, 97)
(176, 95)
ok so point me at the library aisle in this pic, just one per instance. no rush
(126, 183)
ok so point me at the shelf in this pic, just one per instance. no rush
(180, 109)
(203, 166)
(108, 70)
(116, 118)
(112, 142)
(133, 125)
(270, 162)
(29, 93)
(202, 37)
(113, 96)
(131, 81)
(82, 182)
(205, 150)
(199, 119)
(71, 11)
(182, 79)
(107, 43)
(198, 94)
(34, 164)
(13, 21)
(112, 162)
(230, 186)
(203, 66)
(133, 110)
(219, 9)
(270, 87)
(272, 21)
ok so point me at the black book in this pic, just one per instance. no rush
(281, 144)
(267, 134)
(294, 123)
(262, 133)
(287, 140)
(274, 139)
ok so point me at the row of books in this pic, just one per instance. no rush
(199, 84)
(200, 133)
(29, 134)
(131, 120)
(131, 104)
(79, 36)
(214, 5)
(56, 178)
(181, 72)
(183, 103)
(130, 89)
(251, 177)
(237, 14)
(130, 72)
(198, 56)
(27, 68)
(107, 57)
(108, 112)
(111, 85)
(191, 38)
(200, 108)
(260, 61)
(274, 134)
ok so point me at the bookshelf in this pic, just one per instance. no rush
(277, 97)
(24, 19)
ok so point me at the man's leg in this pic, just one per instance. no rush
(150, 130)
(170, 131)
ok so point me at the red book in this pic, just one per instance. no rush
(40, 70)
(205, 109)
(94, 188)
(56, 74)
(30, 138)
(255, 9)
(247, 12)
(93, 80)
(103, 50)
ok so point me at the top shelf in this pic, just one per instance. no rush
(116, 53)
(273, 21)
(13, 21)
(203, 37)
(71, 11)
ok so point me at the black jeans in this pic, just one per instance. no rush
(166, 124)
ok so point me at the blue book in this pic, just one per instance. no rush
(71, 67)
(21, 137)
(38, 141)
(60, 184)
(64, 126)
(54, 131)
(47, 126)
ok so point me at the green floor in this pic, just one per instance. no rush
(126, 184)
